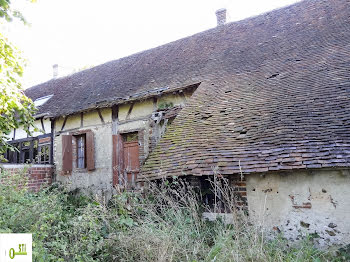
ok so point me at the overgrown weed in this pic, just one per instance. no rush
(164, 224)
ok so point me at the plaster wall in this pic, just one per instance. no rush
(140, 109)
(90, 118)
(132, 126)
(176, 99)
(303, 202)
(147, 107)
(98, 181)
(72, 122)
(20, 133)
(143, 108)
(123, 111)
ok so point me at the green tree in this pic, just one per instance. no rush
(16, 110)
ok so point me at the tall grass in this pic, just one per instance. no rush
(164, 224)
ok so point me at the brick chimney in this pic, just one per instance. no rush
(221, 16)
(55, 70)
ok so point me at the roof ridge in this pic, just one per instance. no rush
(198, 34)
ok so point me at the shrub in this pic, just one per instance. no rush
(165, 224)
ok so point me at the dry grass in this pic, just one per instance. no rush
(164, 225)
(170, 227)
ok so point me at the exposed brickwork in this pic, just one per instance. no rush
(240, 187)
(35, 177)
(237, 182)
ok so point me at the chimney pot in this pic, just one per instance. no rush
(221, 16)
(55, 70)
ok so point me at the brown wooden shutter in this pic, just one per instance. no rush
(67, 157)
(90, 151)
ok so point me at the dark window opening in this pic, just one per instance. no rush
(12, 154)
(28, 152)
(130, 137)
(44, 154)
(25, 152)
(81, 151)
(212, 194)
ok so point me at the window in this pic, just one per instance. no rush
(130, 137)
(44, 154)
(12, 155)
(25, 152)
(41, 100)
(29, 151)
(78, 151)
(81, 150)
(212, 194)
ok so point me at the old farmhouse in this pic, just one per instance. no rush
(264, 102)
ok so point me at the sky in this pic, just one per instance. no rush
(77, 34)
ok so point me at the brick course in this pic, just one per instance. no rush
(35, 177)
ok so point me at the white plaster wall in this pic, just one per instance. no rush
(20, 133)
(47, 126)
(303, 202)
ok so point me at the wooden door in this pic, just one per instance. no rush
(126, 163)
(131, 163)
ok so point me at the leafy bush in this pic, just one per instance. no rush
(164, 225)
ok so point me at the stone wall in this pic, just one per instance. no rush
(99, 180)
(302, 202)
(35, 176)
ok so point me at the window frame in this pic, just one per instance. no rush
(18, 156)
(79, 152)
(70, 151)
(39, 155)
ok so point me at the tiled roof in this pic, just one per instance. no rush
(162, 69)
(274, 95)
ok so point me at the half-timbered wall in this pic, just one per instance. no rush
(145, 118)
(31, 149)
(43, 125)
(149, 119)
